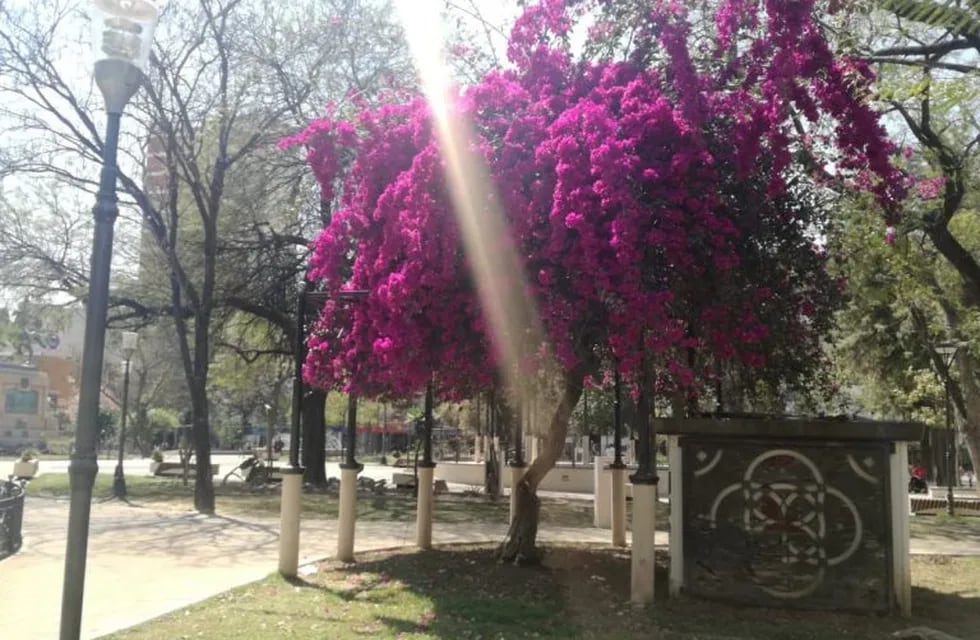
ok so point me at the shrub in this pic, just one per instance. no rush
(156, 456)
(28, 454)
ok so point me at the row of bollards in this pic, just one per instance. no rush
(643, 521)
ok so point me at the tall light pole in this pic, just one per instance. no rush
(129, 341)
(124, 35)
(946, 354)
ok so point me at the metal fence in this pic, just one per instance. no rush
(11, 517)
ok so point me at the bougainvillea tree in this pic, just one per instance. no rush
(657, 202)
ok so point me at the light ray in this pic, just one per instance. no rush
(496, 269)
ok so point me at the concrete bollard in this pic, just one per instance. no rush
(291, 501)
(602, 493)
(642, 559)
(423, 516)
(348, 514)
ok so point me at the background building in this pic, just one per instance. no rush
(25, 414)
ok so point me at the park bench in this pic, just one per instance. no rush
(403, 480)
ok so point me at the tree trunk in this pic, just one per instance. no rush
(519, 547)
(314, 438)
(203, 484)
(926, 457)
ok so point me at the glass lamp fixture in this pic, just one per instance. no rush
(123, 39)
(129, 341)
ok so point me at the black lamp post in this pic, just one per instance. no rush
(129, 341)
(646, 471)
(946, 353)
(124, 35)
(617, 462)
(429, 424)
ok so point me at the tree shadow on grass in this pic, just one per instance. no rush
(583, 592)
(947, 598)
(457, 592)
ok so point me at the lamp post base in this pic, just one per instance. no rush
(81, 477)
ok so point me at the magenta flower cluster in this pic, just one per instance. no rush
(648, 201)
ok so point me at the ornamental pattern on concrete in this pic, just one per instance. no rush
(787, 525)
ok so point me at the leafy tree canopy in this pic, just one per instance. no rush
(653, 200)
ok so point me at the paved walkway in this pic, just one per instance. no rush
(143, 563)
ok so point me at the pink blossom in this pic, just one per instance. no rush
(930, 188)
(636, 196)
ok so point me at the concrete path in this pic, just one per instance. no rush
(144, 562)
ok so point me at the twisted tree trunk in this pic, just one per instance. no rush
(519, 547)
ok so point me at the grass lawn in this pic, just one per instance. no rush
(965, 527)
(460, 593)
(394, 507)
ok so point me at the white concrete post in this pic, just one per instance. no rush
(901, 567)
(676, 513)
(423, 520)
(502, 480)
(618, 505)
(289, 515)
(534, 448)
(348, 514)
(516, 473)
(642, 558)
(602, 493)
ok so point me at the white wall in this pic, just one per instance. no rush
(580, 479)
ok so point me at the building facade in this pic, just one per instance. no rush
(24, 413)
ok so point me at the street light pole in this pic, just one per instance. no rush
(947, 352)
(129, 339)
(617, 469)
(123, 50)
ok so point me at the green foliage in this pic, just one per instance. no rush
(29, 326)
(599, 418)
(106, 424)
(900, 301)
(948, 15)
(162, 420)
